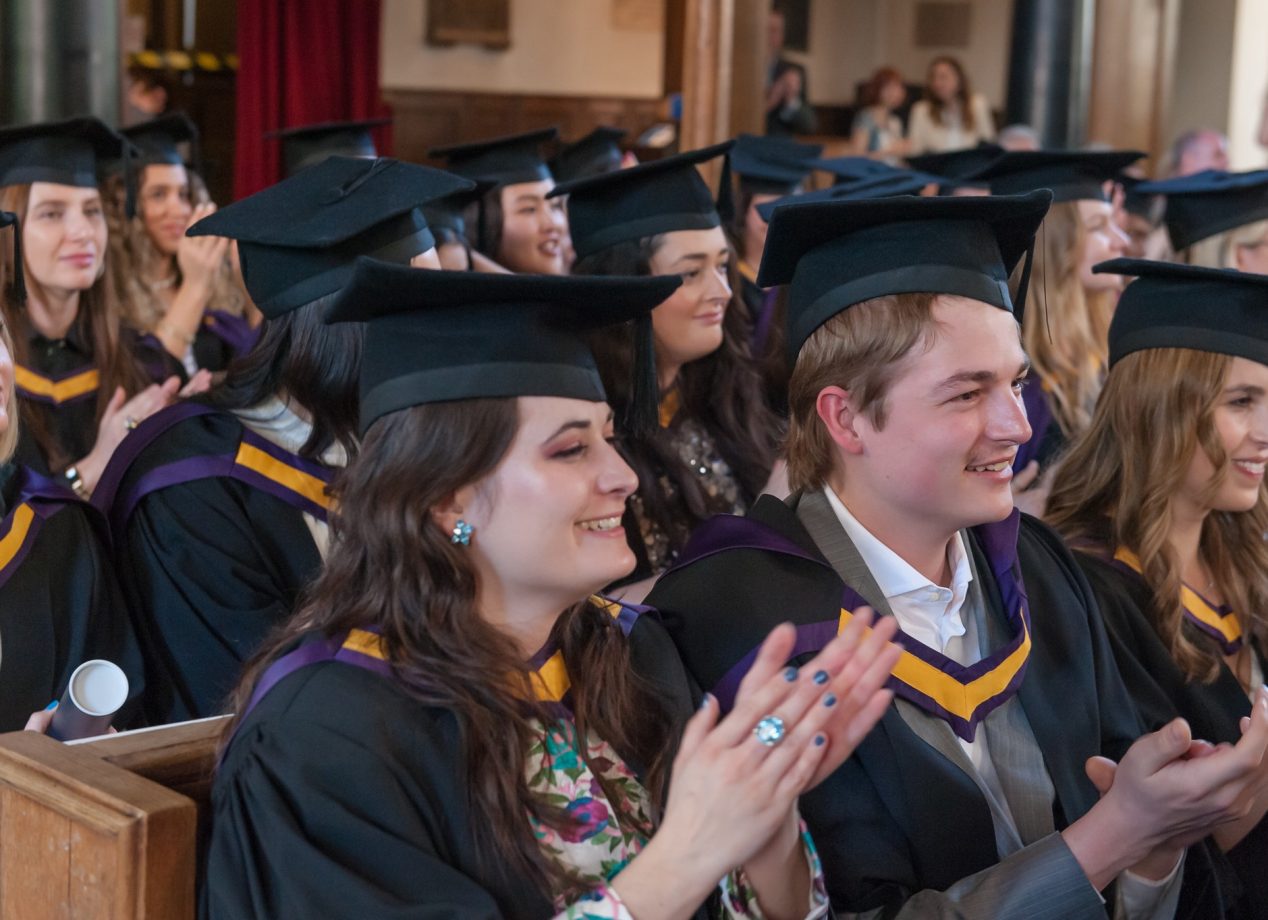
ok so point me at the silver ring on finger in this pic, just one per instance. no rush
(129, 423)
(770, 731)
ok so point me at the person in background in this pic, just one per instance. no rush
(146, 96)
(516, 225)
(219, 508)
(83, 379)
(787, 111)
(1163, 500)
(711, 446)
(1217, 219)
(1196, 151)
(1064, 334)
(951, 116)
(878, 131)
(1019, 137)
(179, 290)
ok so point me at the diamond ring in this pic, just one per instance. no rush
(770, 731)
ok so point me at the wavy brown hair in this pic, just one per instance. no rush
(723, 390)
(1119, 479)
(98, 322)
(392, 567)
(135, 259)
(964, 95)
(1065, 333)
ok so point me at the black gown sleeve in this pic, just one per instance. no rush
(62, 607)
(211, 567)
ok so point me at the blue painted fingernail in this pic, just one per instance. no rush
(708, 698)
(830, 700)
(790, 674)
(820, 740)
(52, 705)
(821, 677)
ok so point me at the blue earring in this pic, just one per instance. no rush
(461, 535)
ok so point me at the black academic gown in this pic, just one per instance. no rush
(342, 796)
(212, 552)
(59, 603)
(898, 817)
(1162, 692)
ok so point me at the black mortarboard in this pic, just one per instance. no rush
(772, 165)
(306, 145)
(839, 253)
(644, 200)
(502, 160)
(157, 142)
(593, 155)
(1169, 305)
(63, 152)
(957, 164)
(1142, 204)
(438, 336)
(851, 169)
(1071, 175)
(297, 240)
(883, 185)
(1206, 203)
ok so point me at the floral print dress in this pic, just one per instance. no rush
(611, 833)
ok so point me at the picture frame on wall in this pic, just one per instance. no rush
(469, 22)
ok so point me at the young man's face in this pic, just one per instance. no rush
(953, 422)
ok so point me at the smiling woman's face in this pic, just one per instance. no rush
(533, 228)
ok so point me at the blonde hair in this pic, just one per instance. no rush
(1066, 331)
(858, 350)
(136, 260)
(1119, 480)
(1220, 251)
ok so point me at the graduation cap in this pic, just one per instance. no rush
(297, 240)
(851, 169)
(1170, 305)
(308, 144)
(836, 254)
(503, 160)
(957, 164)
(1142, 204)
(1210, 202)
(1072, 175)
(436, 336)
(63, 152)
(883, 185)
(772, 165)
(593, 155)
(156, 142)
(644, 200)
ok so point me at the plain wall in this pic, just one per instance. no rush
(558, 48)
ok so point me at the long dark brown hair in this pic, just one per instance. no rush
(964, 95)
(97, 322)
(391, 566)
(1117, 484)
(314, 364)
(723, 390)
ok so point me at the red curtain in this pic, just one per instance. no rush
(301, 62)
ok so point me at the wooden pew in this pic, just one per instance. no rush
(108, 829)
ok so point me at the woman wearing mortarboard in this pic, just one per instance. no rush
(711, 447)
(453, 725)
(1163, 496)
(180, 291)
(219, 506)
(83, 380)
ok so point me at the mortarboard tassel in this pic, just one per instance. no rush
(17, 285)
(642, 416)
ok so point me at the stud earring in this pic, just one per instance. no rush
(461, 534)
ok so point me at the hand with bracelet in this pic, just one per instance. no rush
(199, 259)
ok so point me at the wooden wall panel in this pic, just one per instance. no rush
(427, 118)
